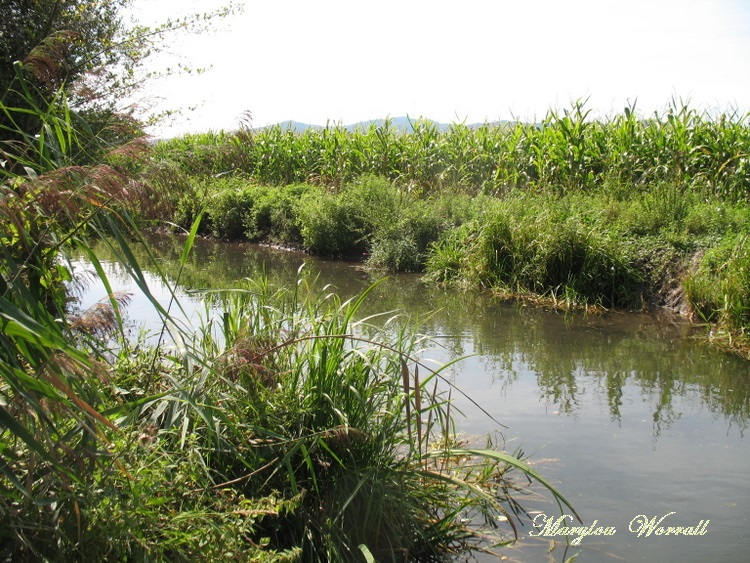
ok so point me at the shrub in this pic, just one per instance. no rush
(331, 225)
(190, 196)
(449, 257)
(543, 246)
(229, 208)
(400, 241)
(396, 254)
(720, 287)
(275, 215)
(345, 223)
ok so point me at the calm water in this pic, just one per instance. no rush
(627, 413)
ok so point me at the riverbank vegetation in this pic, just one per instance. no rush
(287, 425)
(283, 427)
(626, 212)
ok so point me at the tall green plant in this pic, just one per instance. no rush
(569, 151)
(52, 390)
(335, 414)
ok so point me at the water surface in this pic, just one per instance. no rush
(629, 414)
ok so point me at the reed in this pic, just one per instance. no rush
(343, 419)
(53, 386)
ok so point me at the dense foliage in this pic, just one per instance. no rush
(62, 39)
(278, 429)
(281, 427)
(567, 152)
(624, 212)
(91, 53)
(81, 49)
(616, 249)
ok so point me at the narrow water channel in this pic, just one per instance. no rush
(628, 414)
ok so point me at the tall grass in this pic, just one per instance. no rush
(52, 390)
(720, 286)
(282, 422)
(609, 247)
(343, 419)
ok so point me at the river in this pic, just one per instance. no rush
(633, 418)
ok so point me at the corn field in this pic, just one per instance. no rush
(568, 151)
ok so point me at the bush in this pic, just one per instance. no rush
(400, 241)
(344, 223)
(396, 254)
(449, 257)
(230, 212)
(720, 287)
(275, 216)
(541, 246)
(331, 225)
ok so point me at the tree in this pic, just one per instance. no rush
(88, 50)
(62, 40)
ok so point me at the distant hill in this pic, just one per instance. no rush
(404, 123)
(297, 126)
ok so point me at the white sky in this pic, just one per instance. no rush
(473, 60)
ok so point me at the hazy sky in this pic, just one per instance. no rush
(473, 60)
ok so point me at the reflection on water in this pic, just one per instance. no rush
(627, 412)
